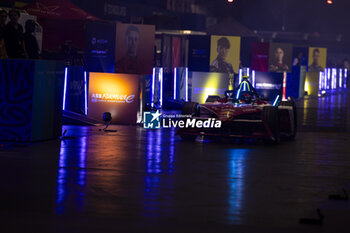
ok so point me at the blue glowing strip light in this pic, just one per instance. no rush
(152, 91)
(86, 94)
(320, 81)
(345, 77)
(328, 77)
(65, 88)
(276, 100)
(161, 86)
(340, 78)
(174, 83)
(334, 78)
(325, 79)
(248, 74)
(186, 87)
(253, 78)
(240, 76)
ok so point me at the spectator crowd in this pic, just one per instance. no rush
(14, 41)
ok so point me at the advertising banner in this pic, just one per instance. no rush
(317, 59)
(134, 48)
(199, 53)
(205, 84)
(224, 54)
(269, 85)
(260, 57)
(280, 57)
(100, 47)
(114, 93)
(30, 100)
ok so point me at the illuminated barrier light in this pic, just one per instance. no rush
(345, 77)
(322, 80)
(175, 84)
(334, 78)
(240, 75)
(322, 83)
(65, 88)
(253, 78)
(328, 77)
(340, 80)
(152, 86)
(161, 87)
(68, 73)
(157, 87)
(325, 79)
(186, 84)
(181, 83)
(85, 94)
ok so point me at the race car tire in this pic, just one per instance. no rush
(190, 108)
(271, 118)
(188, 137)
(291, 103)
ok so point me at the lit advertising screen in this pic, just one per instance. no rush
(114, 93)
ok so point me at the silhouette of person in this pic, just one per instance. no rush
(3, 18)
(30, 42)
(14, 36)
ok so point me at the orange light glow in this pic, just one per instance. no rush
(114, 93)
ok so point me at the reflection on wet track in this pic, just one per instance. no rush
(138, 179)
(325, 113)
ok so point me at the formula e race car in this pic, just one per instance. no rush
(243, 114)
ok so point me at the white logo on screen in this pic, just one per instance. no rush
(130, 99)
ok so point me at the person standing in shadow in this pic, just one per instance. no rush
(30, 42)
(14, 36)
(3, 18)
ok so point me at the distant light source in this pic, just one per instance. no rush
(230, 1)
(330, 2)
